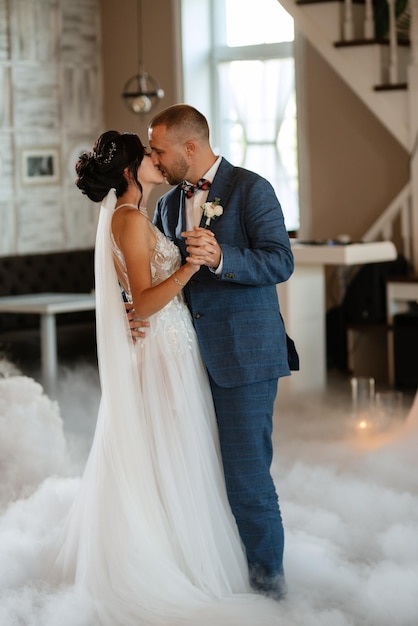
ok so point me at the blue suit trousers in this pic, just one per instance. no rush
(244, 416)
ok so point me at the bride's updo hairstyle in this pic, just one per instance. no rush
(103, 169)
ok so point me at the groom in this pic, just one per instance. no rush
(244, 253)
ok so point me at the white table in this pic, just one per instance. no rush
(303, 303)
(48, 305)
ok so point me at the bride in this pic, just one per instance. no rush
(150, 534)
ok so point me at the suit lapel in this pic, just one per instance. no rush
(221, 187)
(181, 223)
(202, 219)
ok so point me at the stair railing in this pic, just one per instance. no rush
(368, 22)
(393, 45)
(399, 210)
(368, 30)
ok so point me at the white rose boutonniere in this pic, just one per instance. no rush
(212, 210)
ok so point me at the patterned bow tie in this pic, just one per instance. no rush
(190, 189)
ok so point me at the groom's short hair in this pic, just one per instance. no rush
(184, 119)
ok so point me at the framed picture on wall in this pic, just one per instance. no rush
(40, 166)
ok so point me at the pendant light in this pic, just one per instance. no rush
(141, 92)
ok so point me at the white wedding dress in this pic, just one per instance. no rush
(150, 534)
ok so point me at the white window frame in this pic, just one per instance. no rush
(203, 47)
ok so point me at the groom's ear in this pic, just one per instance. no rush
(190, 148)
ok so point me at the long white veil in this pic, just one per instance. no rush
(118, 505)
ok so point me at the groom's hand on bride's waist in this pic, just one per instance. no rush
(135, 324)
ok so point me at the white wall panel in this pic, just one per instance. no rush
(50, 99)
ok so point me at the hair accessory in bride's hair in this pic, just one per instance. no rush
(99, 157)
(112, 151)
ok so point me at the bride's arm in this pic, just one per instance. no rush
(136, 240)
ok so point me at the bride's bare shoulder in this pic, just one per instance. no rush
(129, 223)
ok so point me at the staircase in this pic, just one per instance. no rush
(383, 72)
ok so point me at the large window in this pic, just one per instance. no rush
(247, 59)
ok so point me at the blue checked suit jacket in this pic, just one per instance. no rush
(236, 315)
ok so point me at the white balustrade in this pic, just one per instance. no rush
(399, 209)
(348, 20)
(393, 44)
(369, 30)
(406, 228)
(413, 32)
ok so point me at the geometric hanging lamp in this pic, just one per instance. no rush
(141, 92)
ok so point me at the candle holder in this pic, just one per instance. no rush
(363, 404)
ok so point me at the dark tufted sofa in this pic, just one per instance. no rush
(69, 271)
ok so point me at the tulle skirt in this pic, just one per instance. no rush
(151, 534)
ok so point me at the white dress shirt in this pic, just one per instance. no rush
(194, 204)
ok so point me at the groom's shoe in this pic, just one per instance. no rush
(275, 587)
(279, 590)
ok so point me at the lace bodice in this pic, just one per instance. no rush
(173, 321)
(165, 260)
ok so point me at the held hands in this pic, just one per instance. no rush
(202, 247)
